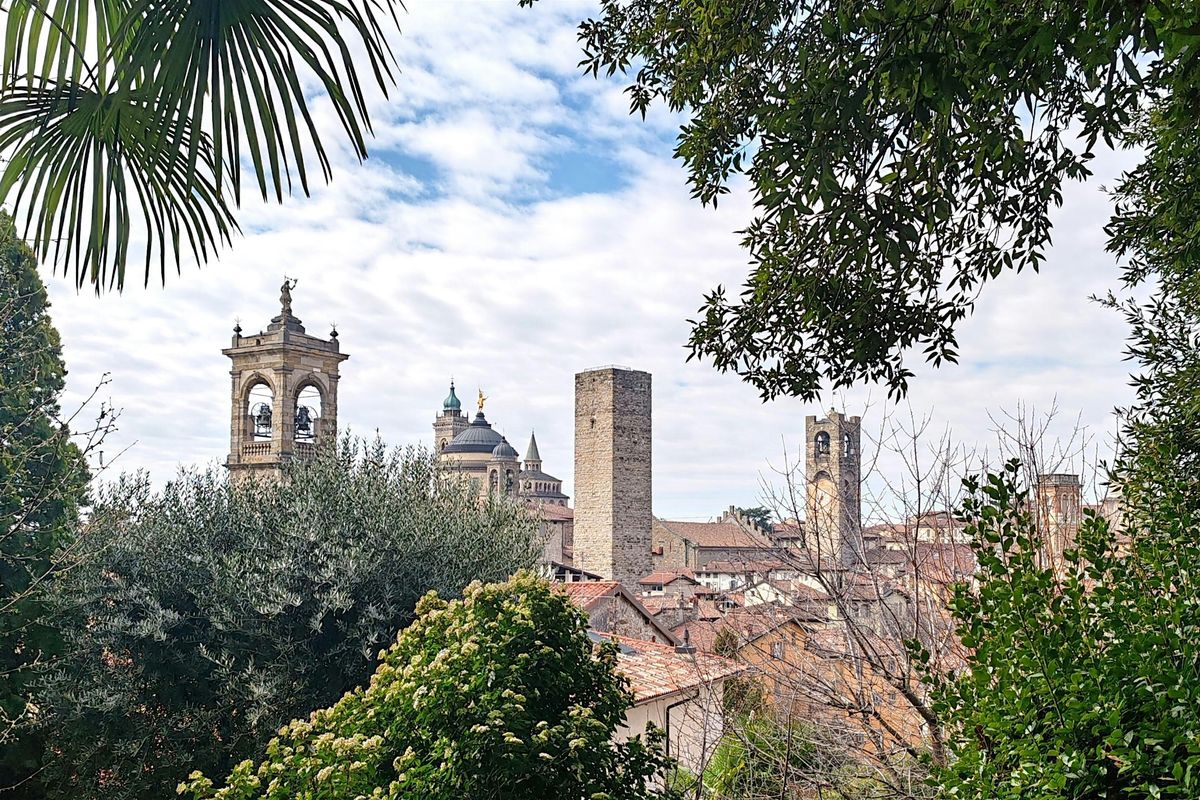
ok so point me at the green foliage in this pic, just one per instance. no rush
(43, 481)
(1087, 685)
(501, 694)
(212, 612)
(901, 154)
(130, 118)
(762, 757)
(1084, 684)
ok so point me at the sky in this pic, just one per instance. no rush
(515, 225)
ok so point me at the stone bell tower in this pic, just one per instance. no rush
(833, 458)
(284, 393)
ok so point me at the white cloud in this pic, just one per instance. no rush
(445, 273)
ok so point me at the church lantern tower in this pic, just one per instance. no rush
(504, 470)
(450, 423)
(833, 458)
(284, 393)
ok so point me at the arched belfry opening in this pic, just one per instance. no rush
(284, 393)
(307, 421)
(259, 410)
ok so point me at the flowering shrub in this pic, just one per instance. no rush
(500, 694)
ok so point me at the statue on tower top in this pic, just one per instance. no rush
(482, 398)
(285, 295)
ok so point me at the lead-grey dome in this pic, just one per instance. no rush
(505, 451)
(477, 438)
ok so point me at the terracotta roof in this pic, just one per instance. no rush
(588, 594)
(707, 609)
(657, 670)
(553, 513)
(656, 605)
(747, 623)
(944, 561)
(665, 576)
(716, 534)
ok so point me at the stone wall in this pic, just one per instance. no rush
(612, 474)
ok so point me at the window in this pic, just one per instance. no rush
(777, 649)
(821, 443)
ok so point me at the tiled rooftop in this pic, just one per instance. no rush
(657, 670)
(725, 533)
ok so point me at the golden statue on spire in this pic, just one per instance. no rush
(482, 398)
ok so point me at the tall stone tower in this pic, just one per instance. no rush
(612, 474)
(833, 458)
(1059, 501)
(283, 403)
(450, 423)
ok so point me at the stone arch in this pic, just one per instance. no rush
(257, 401)
(308, 407)
(821, 443)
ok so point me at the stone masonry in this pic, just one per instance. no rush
(833, 507)
(287, 360)
(613, 516)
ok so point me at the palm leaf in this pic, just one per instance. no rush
(115, 107)
(83, 163)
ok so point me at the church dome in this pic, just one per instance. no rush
(504, 451)
(452, 403)
(477, 438)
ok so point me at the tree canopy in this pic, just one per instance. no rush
(43, 483)
(500, 694)
(131, 119)
(1086, 684)
(213, 611)
(901, 154)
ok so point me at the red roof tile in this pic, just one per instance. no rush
(586, 594)
(657, 670)
(553, 513)
(716, 534)
(665, 576)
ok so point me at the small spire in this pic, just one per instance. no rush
(531, 452)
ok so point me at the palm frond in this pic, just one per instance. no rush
(114, 107)
(82, 163)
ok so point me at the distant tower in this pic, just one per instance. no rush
(450, 423)
(612, 474)
(284, 393)
(1059, 501)
(503, 469)
(832, 504)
